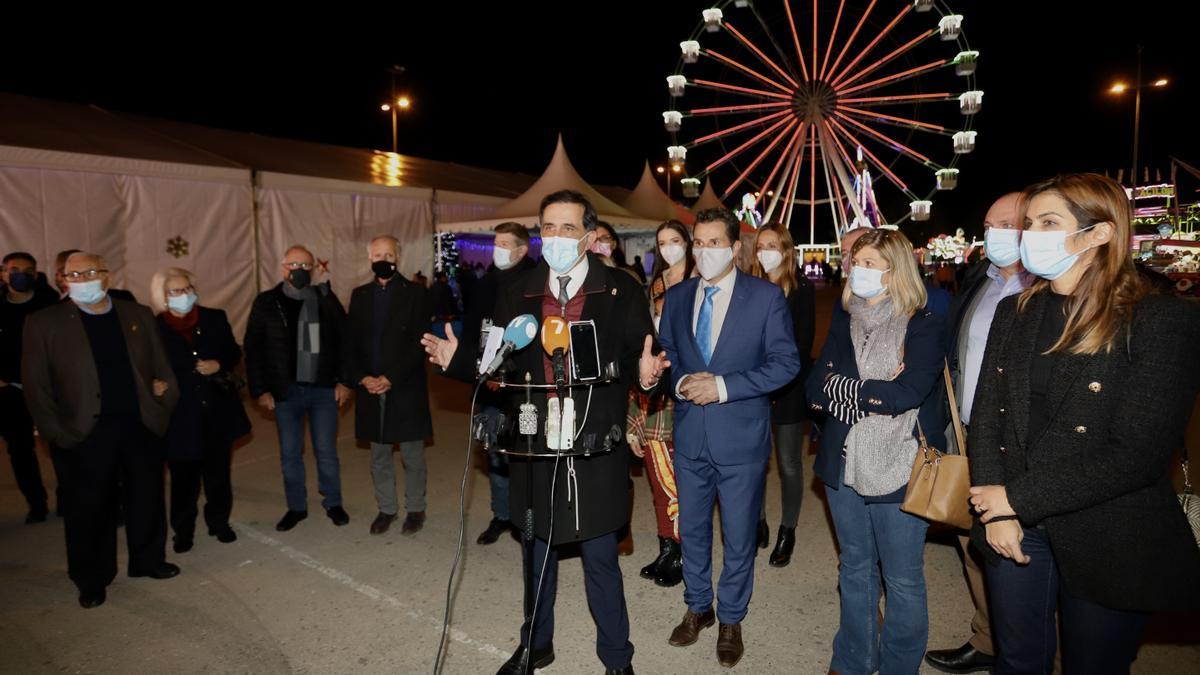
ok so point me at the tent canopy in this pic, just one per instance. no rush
(708, 199)
(648, 199)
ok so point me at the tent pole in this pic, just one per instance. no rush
(437, 239)
(254, 181)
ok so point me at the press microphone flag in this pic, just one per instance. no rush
(556, 339)
(517, 336)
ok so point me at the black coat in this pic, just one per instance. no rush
(1097, 478)
(271, 343)
(483, 303)
(617, 303)
(406, 417)
(788, 403)
(202, 404)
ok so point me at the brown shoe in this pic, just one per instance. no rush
(413, 522)
(382, 522)
(688, 630)
(729, 644)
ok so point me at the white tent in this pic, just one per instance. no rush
(708, 199)
(649, 200)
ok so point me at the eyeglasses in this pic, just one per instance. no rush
(180, 292)
(298, 265)
(89, 275)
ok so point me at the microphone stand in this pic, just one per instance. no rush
(527, 534)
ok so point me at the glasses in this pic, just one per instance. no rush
(88, 275)
(180, 292)
(298, 265)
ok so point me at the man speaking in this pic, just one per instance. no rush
(590, 493)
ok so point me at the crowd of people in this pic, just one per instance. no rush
(1061, 360)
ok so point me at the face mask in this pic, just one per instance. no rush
(20, 281)
(866, 283)
(601, 248)
(1045, 253)
(673, 253)
(712, 261)
(181, 303)
(770, 260)
(87, 292)
(383, 269)
(561, 253)
(299, 279)
(1003, 247)
(502, 258)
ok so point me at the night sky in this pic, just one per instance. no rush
(494, 85)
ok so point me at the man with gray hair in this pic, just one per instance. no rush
(293, 367)
(101, 391)
(383, 359)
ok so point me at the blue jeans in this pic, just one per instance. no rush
(497, 475)
(872, 537)
(1023, 598)
(319, 405)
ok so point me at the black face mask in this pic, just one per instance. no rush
(300, 279)
(383, 269)
(20, 281)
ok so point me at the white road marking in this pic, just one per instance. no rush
(433, 623)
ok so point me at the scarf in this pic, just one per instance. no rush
(183, 324)
(308, 332)
(879, 448)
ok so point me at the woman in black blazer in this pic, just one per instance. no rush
(775, 261)
(209, 416)
(1085, 392)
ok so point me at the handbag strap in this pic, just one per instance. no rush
(958, 430)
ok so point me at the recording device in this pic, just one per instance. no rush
(585, 351)
(555, 342)
(517, 336)
(487, 429)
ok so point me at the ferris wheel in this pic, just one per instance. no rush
(797, 105)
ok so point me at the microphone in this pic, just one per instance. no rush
(555, 341)
(517, 336)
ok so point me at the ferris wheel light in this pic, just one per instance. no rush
(964, 142)
(672, 120)
(964, 63)
(947, 179)
(676, 153)
(691, 51)
(741, 3)
(950, 27)
(922, 5)
(675, 84)
(691, 187)
(970, 102)
(920, 209)
(712, 19)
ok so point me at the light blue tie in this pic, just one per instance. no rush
(704, 324)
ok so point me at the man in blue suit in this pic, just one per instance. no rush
(728, 338)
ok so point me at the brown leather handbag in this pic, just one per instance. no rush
(939, 487)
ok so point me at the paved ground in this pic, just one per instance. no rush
(323, 599)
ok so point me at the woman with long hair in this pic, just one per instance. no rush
(1083, 399)
(775, 261)
(877, 379)
(650, 416)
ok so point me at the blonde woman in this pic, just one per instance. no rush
(877, 379)
(775, 261)
(1081, 404)
(209, 416)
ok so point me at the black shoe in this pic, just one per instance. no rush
(965, 659)
(90, 599)
(782, 555)
(225, 535)
(627, 670)
(651, 571)
(37, 514)
(289, 520)
(181, 544)
(338, 516)
(163, 570)
(540, 658)
(670, 572)
(494, 529)
(764, 534)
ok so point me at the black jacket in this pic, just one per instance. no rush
(406, 417)
(1097, 478)
(202, 404)
(483, 306)
(270, 343)
(617, 303)
(788, 403)
(12, 321)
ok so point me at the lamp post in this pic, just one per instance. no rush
(1120, 88)
(675, 168)
(395, 103)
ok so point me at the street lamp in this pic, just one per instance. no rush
(394, 103)
(675, 168)
(1138, 85)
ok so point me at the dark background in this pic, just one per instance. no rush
(494, 84)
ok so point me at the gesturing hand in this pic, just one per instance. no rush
(440, 351)
(651, 366)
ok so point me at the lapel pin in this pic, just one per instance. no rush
(614, 291)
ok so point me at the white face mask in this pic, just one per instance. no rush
(1003, 246)
(770, 260)
(866, 282)
(712, 261)
(673, 253)
(502, 258)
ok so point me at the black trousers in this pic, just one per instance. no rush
(212, 469)
(16, 427)
(118, 449)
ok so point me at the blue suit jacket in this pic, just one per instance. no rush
(755, 354)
